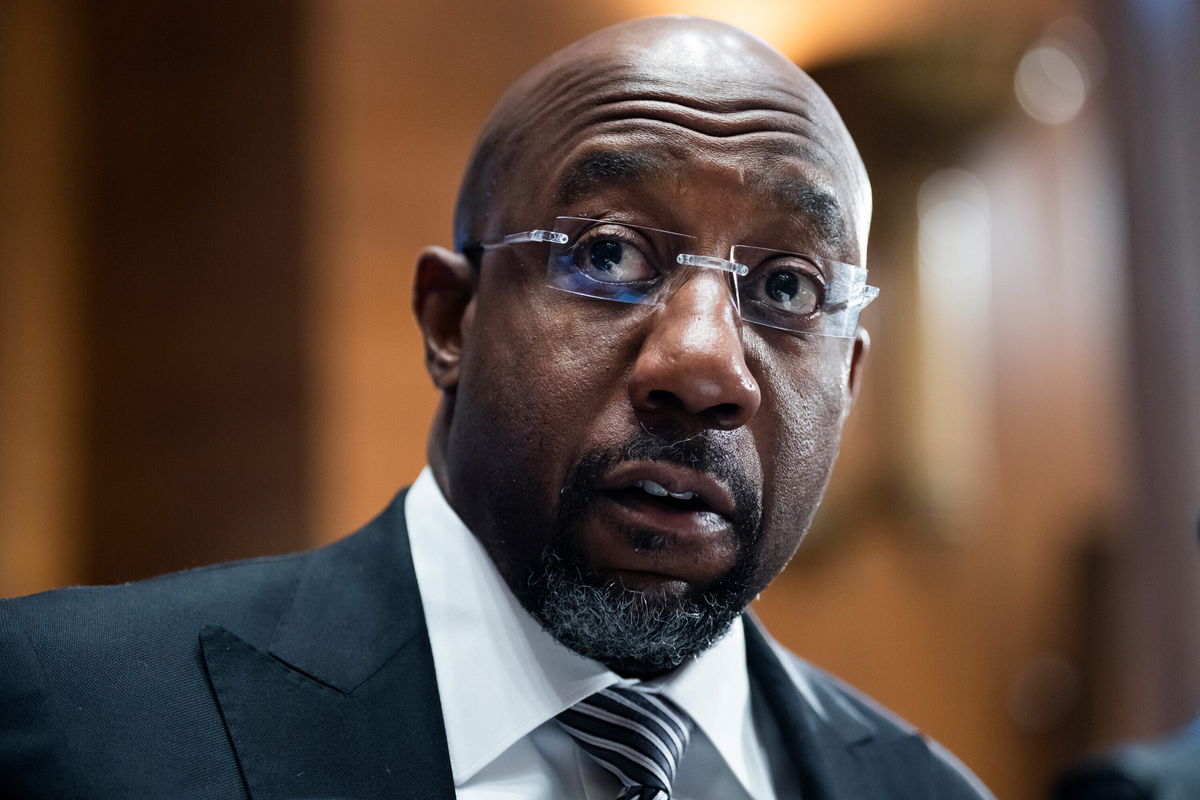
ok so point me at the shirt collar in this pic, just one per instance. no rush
(494, 662)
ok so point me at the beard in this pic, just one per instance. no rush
(636, 632)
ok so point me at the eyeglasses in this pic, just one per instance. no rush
(634, 264)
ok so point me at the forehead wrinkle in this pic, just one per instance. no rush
(720, 108)
(730, 108)
(722, 97)
(785, 133)
(617, 104)
(723, 126)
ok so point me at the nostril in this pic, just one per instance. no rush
(724, 415)
(662, 399)
(721, 415)
(725, 410)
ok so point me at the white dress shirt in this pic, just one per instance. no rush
(502, 680)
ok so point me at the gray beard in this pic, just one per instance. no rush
(627, 630)
(635, 632)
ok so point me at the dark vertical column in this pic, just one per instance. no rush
(1155, 58)
(195, 446)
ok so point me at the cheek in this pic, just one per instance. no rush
(540, 377)
(809, 401)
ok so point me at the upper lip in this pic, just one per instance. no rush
(674, 478)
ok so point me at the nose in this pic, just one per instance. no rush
(691, 362)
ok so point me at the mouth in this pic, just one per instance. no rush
(655, 523)
(673, 488)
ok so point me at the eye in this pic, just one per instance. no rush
(612, 258)
(788, 289)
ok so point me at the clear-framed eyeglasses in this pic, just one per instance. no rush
(633, 264)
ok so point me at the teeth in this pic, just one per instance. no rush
(650, 487)
(658, 490)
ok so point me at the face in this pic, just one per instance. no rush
(567, 417)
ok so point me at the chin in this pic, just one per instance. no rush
(637, 630)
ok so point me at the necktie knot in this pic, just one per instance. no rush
(638, 736)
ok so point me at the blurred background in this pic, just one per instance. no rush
(209, 213)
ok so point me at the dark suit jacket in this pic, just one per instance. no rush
(1162, 770)
(310, 676)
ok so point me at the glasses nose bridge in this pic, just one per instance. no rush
(695, 258)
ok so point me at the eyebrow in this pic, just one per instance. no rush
(805, 199)
(599, 170)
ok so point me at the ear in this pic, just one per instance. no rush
(862, 344)
(442, 295)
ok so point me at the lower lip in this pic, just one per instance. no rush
(695, 547)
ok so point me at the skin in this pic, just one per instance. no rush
(533, 380)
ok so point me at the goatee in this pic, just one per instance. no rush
(633, 632)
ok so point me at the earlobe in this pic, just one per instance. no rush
(442, 293)
(862, 344)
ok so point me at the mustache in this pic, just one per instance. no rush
(699, 452)
(702, 452)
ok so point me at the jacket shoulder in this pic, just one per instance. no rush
(900, 749)
(951, 776)
(142, 621)
(245, 592)
(105, 691)
(102, 687)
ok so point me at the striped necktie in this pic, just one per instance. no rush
(634, 734)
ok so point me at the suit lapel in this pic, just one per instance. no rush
(838, 753)
(342, 702)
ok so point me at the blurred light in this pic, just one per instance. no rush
(1050, 85)
(1078, 38)
(1055, 75)
(954, 272)
(954, 237)
(810, 31)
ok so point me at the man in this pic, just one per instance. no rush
(643, 389)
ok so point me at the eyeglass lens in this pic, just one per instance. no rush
(634, 264)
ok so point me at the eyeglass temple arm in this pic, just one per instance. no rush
(536, 235)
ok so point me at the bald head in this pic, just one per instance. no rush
(696, 74)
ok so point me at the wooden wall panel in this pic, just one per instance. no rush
(39, 302)
(196, 444)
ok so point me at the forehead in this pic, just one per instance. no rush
(658, 129)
